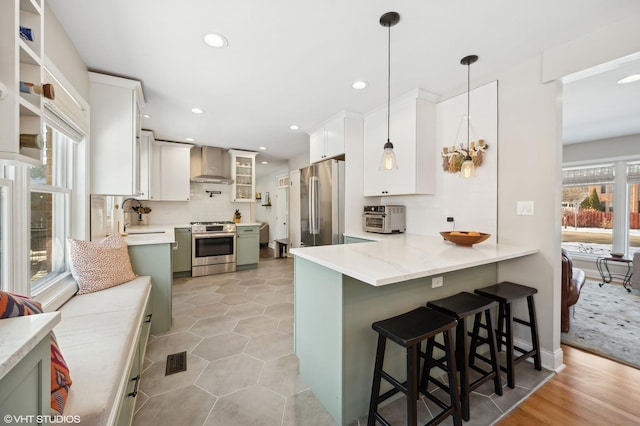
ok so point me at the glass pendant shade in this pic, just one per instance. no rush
(467, 169)
(388, 161)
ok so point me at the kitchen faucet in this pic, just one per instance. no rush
(131, 211)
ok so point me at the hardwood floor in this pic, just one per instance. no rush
(591, 390)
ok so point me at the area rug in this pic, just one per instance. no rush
(607, 322)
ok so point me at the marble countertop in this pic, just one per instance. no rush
(248, 224)
(401, 257)
(20, 335)
(152, 234)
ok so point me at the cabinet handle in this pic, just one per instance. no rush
(148, 318)
(135, 388)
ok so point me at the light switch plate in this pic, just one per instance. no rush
(524, 208)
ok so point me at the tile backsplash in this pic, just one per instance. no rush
(200, 207)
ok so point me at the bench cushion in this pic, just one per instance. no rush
(97, 335)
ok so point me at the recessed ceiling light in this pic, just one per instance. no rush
(629, 79)
(359, 85)
(216, 40)
(263, 148)
(294, 127)
(189, 139)
(146, 116)
(265, 162)
(197, 110)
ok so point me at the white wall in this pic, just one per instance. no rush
(269, 183)
(353, 182)
(471, 202)
(529, 170)
(61, 51)
(622, 147)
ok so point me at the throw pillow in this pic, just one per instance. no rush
(14, 305)
(100, 265)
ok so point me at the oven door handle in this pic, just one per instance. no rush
(224, 235)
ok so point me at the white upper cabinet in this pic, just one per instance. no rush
(413, 135)
(20, 111)
(115, 135)
(329, 140)
(146, 141)
(170, 171)
(243, 173)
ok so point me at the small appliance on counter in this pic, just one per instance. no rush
(385, 219)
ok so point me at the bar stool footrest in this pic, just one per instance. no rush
(481, 358)
(381, 419)
(398, 387)
(521, 321)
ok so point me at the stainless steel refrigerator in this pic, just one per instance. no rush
(322, 203)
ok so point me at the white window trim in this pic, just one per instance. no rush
(6, 217)
(57, 292)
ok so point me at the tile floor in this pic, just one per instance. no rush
(237, 329)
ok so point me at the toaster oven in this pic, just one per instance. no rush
(385, 219)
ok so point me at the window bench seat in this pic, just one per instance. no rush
(103, 337)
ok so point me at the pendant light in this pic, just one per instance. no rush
(388, 161)
(468, 168)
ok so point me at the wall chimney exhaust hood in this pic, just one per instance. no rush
(212, 167)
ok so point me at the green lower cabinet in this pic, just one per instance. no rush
(155, 260)
(353, 240)
(248, 248)
(24, 390)
(182, 253)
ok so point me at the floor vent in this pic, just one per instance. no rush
(176, 363)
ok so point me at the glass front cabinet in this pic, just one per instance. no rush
(243, 173)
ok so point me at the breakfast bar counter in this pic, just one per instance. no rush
(341, 290)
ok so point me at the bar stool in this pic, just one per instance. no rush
(505, 293)
(409, 330)
(460, 306)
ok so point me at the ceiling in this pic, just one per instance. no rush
(293, 61)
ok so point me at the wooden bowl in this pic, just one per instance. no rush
(462, 238)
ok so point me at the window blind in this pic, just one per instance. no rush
(594, 175)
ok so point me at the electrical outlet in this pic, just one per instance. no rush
(450, 219)
(437, 282)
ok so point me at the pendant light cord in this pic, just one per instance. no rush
(389, 83)
(468, 108)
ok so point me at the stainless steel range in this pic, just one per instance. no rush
(213, 248)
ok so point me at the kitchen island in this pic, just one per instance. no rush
(341, 290)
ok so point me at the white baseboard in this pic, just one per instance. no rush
(551, 360)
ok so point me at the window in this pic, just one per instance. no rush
(589, 224)
(51, 192)
(633, 181)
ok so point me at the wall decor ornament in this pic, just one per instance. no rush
(453, 157)
(465, 160)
